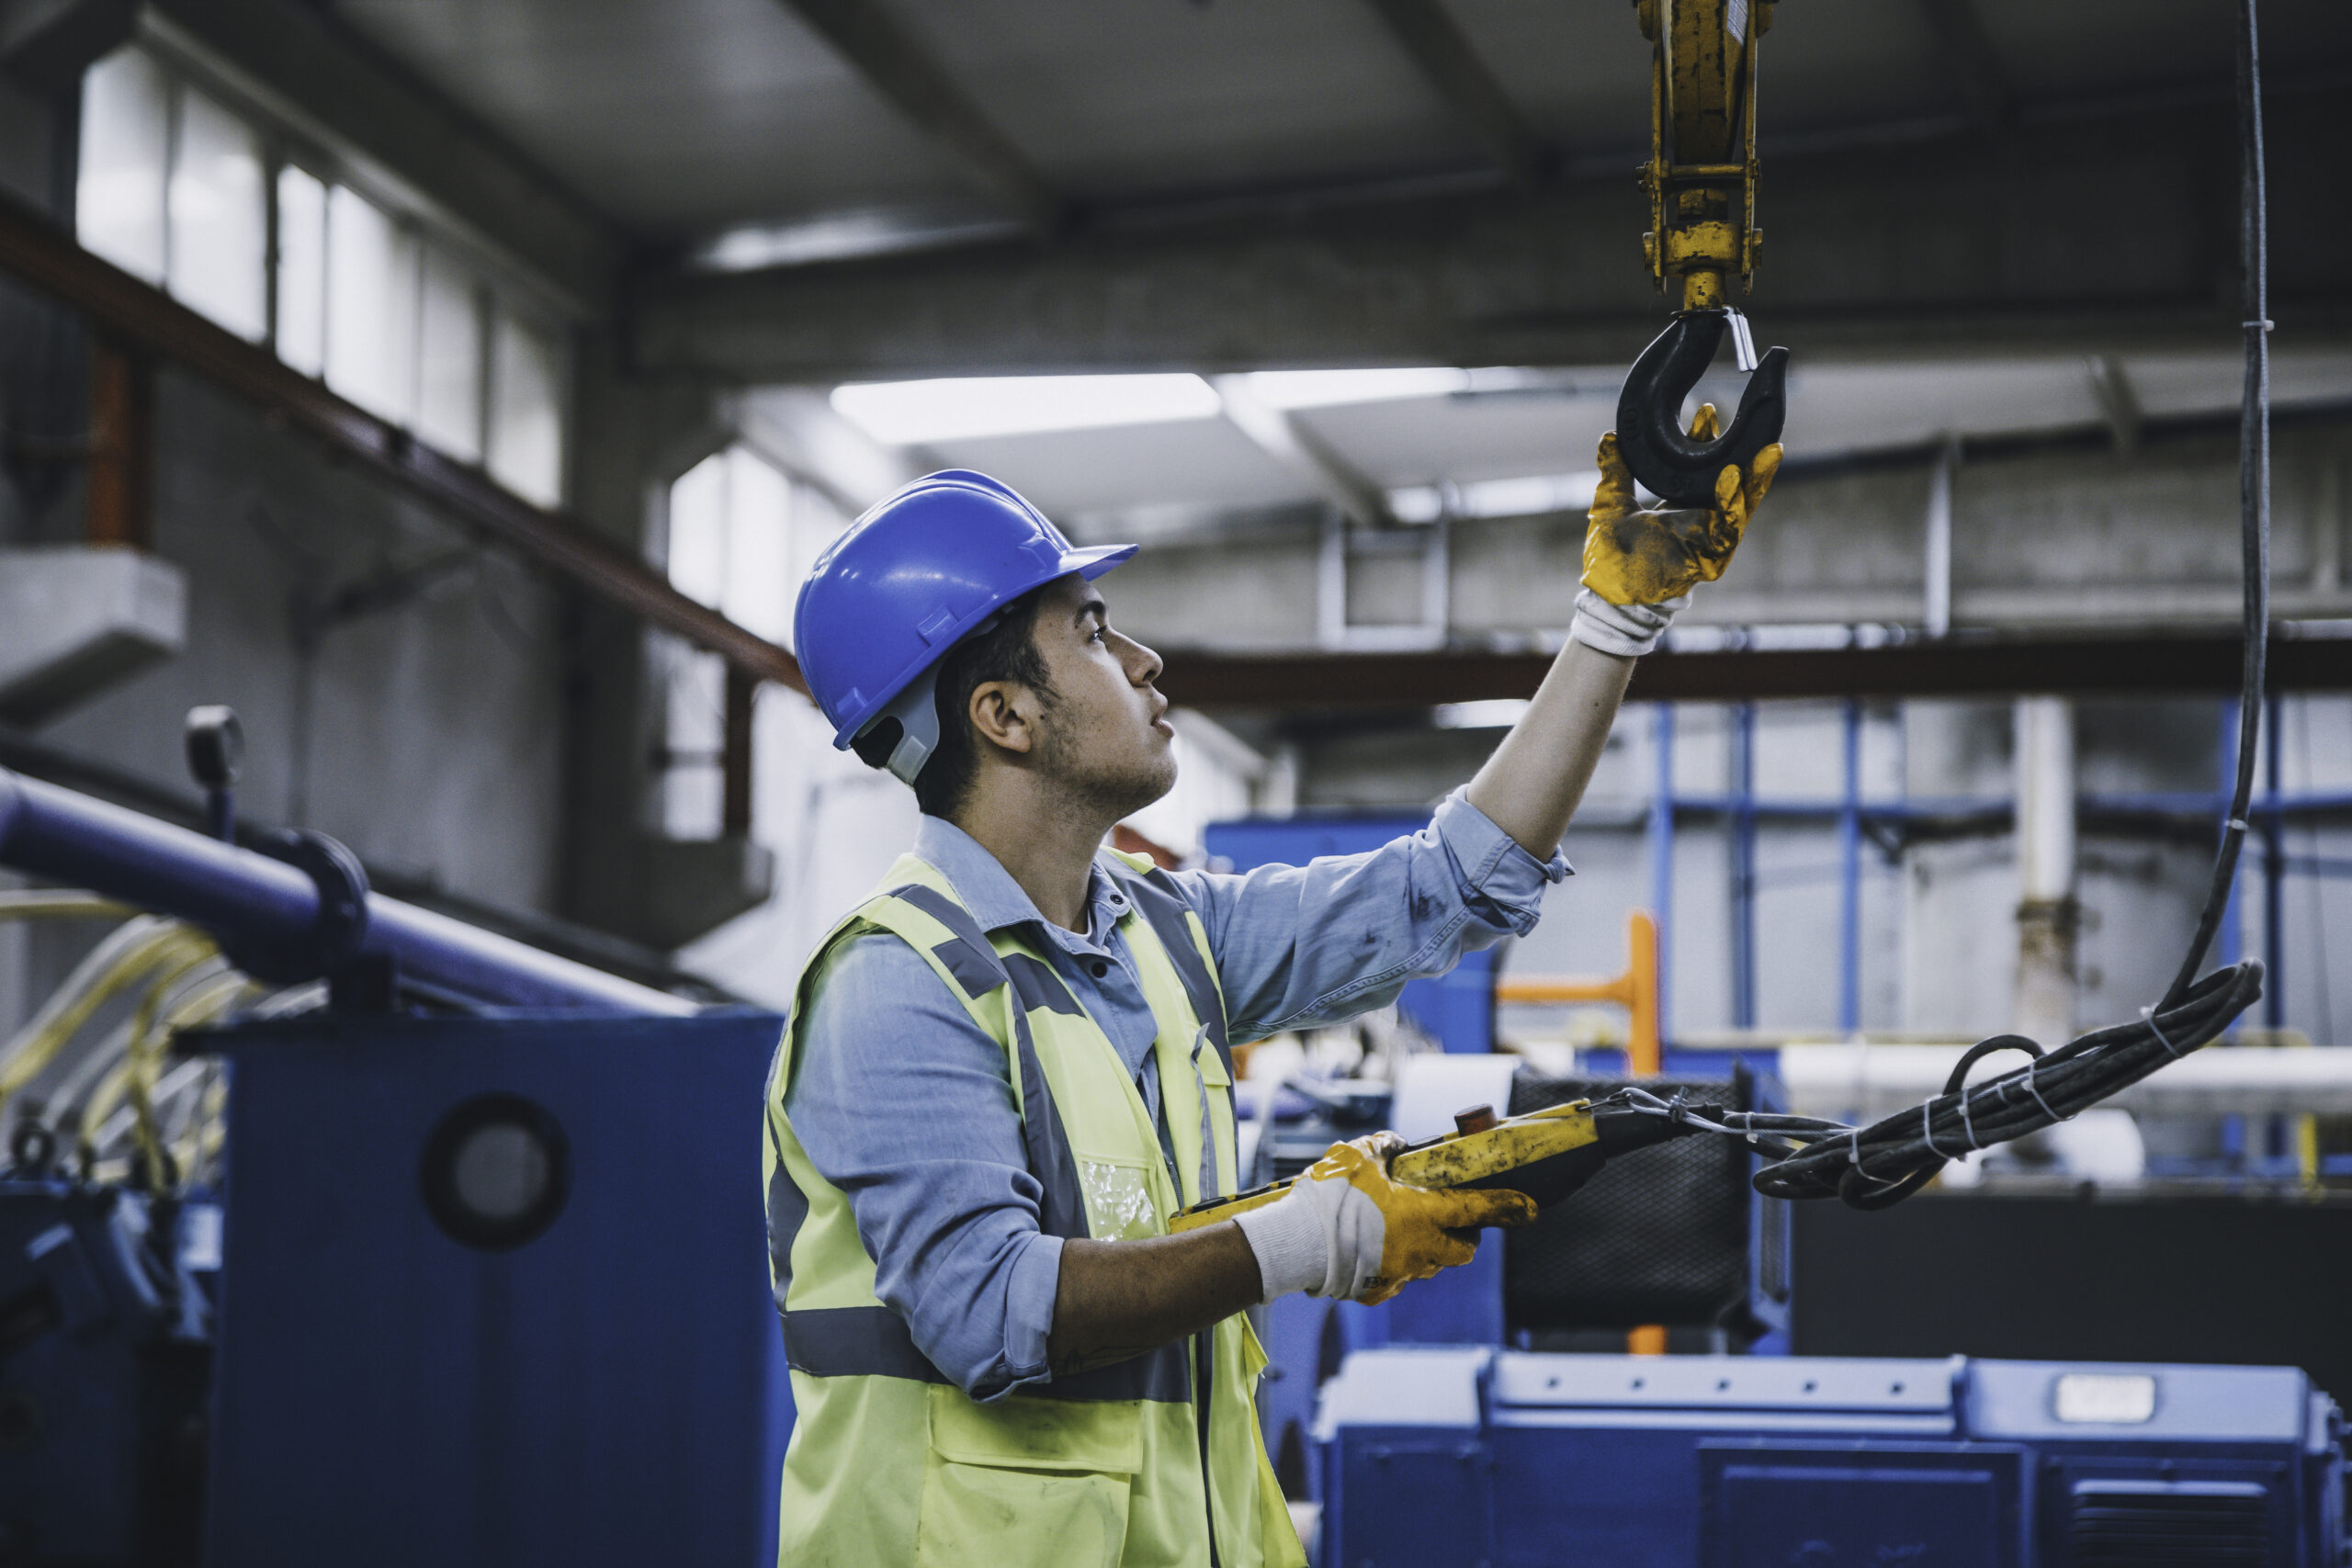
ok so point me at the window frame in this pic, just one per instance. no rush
(500, 288)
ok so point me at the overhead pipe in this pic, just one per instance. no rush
(249, 901)
(1869, 1081)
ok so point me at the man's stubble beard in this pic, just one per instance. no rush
(1110, 792)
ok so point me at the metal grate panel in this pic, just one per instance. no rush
(2171, 1524)
(1658, 1237)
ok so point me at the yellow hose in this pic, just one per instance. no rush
(146, 1055)
(133, 1077)
(59, 904)
(111, 967)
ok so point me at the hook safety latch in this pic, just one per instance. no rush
(1666, 461)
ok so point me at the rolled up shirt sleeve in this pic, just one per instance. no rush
(902, 1101)
(1302, 945)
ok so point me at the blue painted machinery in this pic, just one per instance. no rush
(1431, 1457)
(495, 1294)
(492, 1286)
(491, 1292)
(104, 1363)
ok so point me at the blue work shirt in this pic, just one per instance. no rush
(902, 1101)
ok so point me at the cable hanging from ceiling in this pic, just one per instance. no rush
(1879, 1165)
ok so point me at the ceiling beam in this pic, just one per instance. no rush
(1971, 60)
(145, 320)
(918, 87)
(1954, 667)
(45, 45)
(306, 67)
(1966, 246)
(2118, 399)
(1437, 47)
(1282, 436)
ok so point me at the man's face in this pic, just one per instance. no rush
(1105, 734)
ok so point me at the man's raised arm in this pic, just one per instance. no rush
(1639, 569)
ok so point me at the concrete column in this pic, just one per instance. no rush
(2045, 838)
(1938, 542)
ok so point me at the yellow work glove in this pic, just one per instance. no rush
(1344, 1230)
(1639, 567)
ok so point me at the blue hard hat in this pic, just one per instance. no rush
(926, 566)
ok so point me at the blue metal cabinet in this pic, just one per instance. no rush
(1767, 1503)
(1458, 1456)
(609, 1388)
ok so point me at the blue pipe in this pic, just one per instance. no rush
(1849, 880)
(243, 897)
(1662, 847)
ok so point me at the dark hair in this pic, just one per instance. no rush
(1006, 651)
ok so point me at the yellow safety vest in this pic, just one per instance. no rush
(1157, 1460)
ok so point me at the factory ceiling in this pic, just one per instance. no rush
(1987, 220)
(818, 191)
(870, 122)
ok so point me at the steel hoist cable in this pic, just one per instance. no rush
(1879, 1165)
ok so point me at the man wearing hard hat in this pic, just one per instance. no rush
(1007, 1068)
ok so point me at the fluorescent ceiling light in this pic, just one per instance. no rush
(1489, 713)
(843, 236)
(1330, 389)
(914, 413)
(1334, 389)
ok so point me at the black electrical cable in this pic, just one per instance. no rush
(1879, 1165)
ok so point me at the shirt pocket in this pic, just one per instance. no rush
(1118, 1197)
(1057, 1472)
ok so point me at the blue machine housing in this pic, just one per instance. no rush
(103, 1364)
(609, 1390)
(1441, 1456)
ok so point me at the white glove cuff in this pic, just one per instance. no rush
(1626, 630)
(1288, 1239)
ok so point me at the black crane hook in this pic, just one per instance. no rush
(1668, 462)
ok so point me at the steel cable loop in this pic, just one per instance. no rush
(1845, 1162)
(1865, 1166)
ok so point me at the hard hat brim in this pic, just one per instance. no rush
(1092, 563)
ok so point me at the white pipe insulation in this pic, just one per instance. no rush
(1866, 1082)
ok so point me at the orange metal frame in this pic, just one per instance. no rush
(1635, 990)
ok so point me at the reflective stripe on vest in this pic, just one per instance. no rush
(876, 1341)
(969, 957)
(891, 1462)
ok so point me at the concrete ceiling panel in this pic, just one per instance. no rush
(2177, 384)
(681, 117)
(1202, 462)
(676, 118)
(1577, 71)
(1159, 96)
(1421, 441)
(2077, 49)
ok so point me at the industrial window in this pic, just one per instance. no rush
(741, 535)
(240, 223)
(371, 306)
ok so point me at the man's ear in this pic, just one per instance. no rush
(1006, 714)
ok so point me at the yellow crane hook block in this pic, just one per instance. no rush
(1701, 178)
